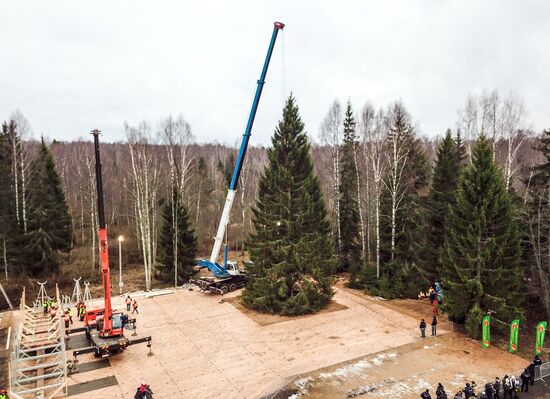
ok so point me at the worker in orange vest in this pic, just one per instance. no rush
(135, 307)
(128, 302)
(66, 319)
(53, 311)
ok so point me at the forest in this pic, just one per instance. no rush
(468, 207)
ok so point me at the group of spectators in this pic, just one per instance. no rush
(510, 386)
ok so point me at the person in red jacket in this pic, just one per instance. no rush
(135, 307)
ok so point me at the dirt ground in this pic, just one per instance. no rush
(209, 350)
(203, 348)
(359, 345)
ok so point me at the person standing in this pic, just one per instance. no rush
(514, 393)
(440, 392)
(144, 392)
(469, 391)
(434, 326)
(489, 390)
(128, 303)
(525, 379)
(496, 388)
(82, 312)
(507, 385)
(423, 328)
(135, 307)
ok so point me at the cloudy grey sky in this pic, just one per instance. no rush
(71, 66)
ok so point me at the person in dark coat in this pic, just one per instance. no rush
(531, 370)
(458, 395)
(426, 394)
(440, 392)
(489, 390)
(423, 328)
(525, 379)
(469, 391)
(496, 388)
(434, 326)
(507, 385)
(143, 392)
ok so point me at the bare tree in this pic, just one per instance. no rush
(373, 131)
(330, 135)
(144, 174)
(176, 134)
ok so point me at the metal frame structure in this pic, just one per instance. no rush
(77, 292)
(42, 294)
(87, 297)
(38, 366)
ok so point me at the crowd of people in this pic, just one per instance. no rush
(510, 386)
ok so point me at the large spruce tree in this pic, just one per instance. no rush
(177, 242)
(292, 249)
(537, 220)
(442, 196)
(50, 225)
(481, 267)
(350, 248)
(10, 230)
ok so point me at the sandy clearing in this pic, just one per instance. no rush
(209, 350)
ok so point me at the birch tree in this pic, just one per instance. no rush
(176, 134)
(373, 131)
(144, 174)
(330, 136)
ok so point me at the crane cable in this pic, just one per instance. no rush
(283, 67)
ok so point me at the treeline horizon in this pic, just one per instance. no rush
(140, 174)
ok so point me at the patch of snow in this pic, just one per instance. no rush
(303, 383)
(343, 372)
(427, 347)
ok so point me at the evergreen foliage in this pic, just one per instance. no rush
(292, 248)
(441, 197)
(350, 249)
(49, 226)
(10, 230)
(176, 234)
(537, 224)
(481, 267)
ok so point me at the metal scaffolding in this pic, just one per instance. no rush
(77, 293)
(38, 366)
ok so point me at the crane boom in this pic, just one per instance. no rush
(103, 247)
(217, 269)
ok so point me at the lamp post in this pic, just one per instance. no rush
(120, 283)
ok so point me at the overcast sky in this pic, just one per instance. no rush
(71, 66)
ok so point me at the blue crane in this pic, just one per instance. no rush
(217, 269)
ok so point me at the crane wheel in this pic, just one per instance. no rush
(232, 287)
(224, 289)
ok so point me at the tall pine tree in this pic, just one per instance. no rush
(292, 248)
(442, 195)
(177, 242)
(50, 225)
(481, 266)
(350, 249)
